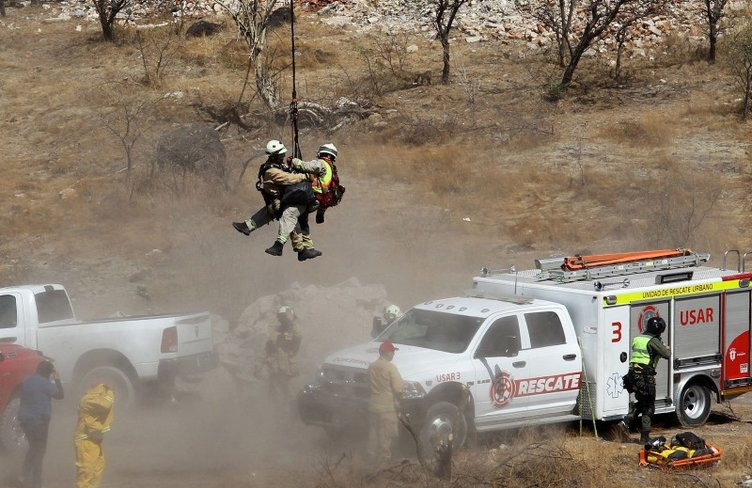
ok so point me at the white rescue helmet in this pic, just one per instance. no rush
(275, 147)
(391, 312)
(328, 149)
(285, 309)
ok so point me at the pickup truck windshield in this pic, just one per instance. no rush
(433, 330)
(53, 305)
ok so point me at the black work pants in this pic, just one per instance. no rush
(36, 435)
(644, 407)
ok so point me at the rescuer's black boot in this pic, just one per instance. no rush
(242, 227)
(308, 254)
(276, 249)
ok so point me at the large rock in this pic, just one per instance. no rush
(193, 147)
(330, 318)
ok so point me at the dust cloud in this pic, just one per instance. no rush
(221, 430)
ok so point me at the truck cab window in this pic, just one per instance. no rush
(433, 330)
(8, 312)
(502, 339)
(545, 329)
(52, 306)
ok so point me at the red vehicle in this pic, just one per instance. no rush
(16, 363)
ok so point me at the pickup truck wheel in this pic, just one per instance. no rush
(694, 405)
(115, 378)
(12, 438)
(442, 419)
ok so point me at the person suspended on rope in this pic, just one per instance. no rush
(325, 180)
(288, 197)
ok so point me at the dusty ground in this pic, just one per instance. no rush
(443, 180)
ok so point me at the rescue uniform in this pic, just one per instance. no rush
(271, 182)
(647, 349)
(280, 360)
(322, 172)
(385, 383)
(94, 420)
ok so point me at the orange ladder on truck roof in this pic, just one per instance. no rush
(578, 268)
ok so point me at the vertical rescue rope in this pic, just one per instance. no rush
(294, 103)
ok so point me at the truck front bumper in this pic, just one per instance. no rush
(319, 406)
(188, 365)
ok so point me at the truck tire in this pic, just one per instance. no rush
(694, 405)
(115, 378)
(442, 419)
(12, 439)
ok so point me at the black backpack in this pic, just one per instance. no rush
(689, 440)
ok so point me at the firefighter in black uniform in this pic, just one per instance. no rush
(647, 350)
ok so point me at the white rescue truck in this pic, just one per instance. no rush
(552, 344)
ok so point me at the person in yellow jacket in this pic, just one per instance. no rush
(94, 420)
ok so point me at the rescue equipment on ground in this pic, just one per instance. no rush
(686, 450)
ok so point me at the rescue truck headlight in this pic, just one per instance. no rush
(611, 300)
(414, 389)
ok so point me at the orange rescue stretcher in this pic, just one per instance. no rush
(654, 459)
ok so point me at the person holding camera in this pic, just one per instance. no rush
(34, 415)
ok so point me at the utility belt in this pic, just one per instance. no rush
(643, 369)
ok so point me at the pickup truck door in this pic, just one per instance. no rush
(499, 360)
(11, 325)
(554, 368)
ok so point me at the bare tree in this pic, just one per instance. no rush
(740, 63)
(713, 12)
(630, 15)
(446, 11)
(157, 49)
(577, 24)
(251, 18)
(2, 8)
(107, 11)
(125, 118)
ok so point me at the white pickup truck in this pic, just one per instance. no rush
(126, 353)
(550, 345)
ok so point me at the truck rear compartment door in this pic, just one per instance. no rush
(639, 315)
(736, 339)
(614, 338)
(697, 337)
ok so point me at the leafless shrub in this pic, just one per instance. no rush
(386, 63)
(681, 205)
(158, 49)
(126, 116)
(471, 87)
(739, 62)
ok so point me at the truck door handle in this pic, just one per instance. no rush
(569, 357)
(519, 364)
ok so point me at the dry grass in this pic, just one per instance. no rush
(648, 130)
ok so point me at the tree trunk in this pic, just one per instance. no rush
(619, 50)
(747, 94)
(445, 71)
(566, 79)
(265, 86)
(106, 29)
(2, 8)
(712, 37)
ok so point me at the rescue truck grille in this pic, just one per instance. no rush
(345, 382)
